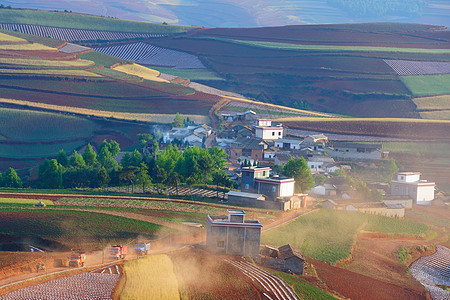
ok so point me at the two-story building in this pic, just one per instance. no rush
(232, 234)
(409, 183)
(264, 129)
(247, 147)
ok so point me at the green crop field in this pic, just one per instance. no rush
(75, 228)
(28, 125)
(101, 59)
(423, 85)
(383, 224)
(38, 150)
(192, 74)
(89, 22)
(328, 235)
(330, 48)
(18, 201)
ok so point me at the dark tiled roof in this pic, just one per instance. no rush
(287, 251)
(249, 143)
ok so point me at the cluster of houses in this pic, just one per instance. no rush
(194, 135)
(265, 142)
(405, 190)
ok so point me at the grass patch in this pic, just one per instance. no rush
(324, 235)
(302, 288)
(192, 74)
(422, 85)
(328, 235)
(28, 125)
(101, 59)
(388, 225)
(89, 22)
(151, 277)
(10, 38)
(329, 48)
(23, 201)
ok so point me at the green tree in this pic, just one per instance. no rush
(11, 179)
(174, 178)
(206, 164)
(76, 160)
(126, 160)
(1, 180)
(62, 158)
(178, 121)
(143, 139)
(299, 170)
(319, 179)
(51, 174)
(89, 155)
(103, 177)
(128, 175)
(106, 159)
(135, 158)
(142, 176)
(218, 155)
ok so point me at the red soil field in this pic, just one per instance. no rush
(417, 130)
(357, 286)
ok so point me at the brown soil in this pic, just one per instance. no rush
(357, 286)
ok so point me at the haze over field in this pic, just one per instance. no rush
(252, 13)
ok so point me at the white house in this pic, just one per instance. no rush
(266, 131)
(288, 144)
(409, 183)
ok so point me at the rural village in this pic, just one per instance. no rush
(128, 170)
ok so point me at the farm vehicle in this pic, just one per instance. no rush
(77, 259)
(142, 248)
(118, 251)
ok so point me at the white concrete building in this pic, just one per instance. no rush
(409, 183)
(288, 144)
(266, 131)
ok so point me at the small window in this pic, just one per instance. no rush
(273, 132)
(312, 166)
(235, 154)
(256, 155)
(220, 244)
(274, 189)
(247, 186)
(264, 172)
(279, 133)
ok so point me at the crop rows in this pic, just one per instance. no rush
(270, 283)
(68, 34)
(147, 54)
(77, 287)
(406, 67)
(173, 191)
(432, 270)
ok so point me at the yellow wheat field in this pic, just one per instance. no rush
(143, 117)
(46, 62)
(34, 46)
(9, 38)
(141, 71)
(151, 277)
(433, 102)
(51, 72)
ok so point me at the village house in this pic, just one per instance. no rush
(260, 189)
(245, 116)
(232, 234)
(404, 200)
(264, 129)
(378, 208)
(247, 147)
(286, 259)
(359, 151)
(193, 134)
(410, 184)
(324, 190)
(315, 142)
(287, 144)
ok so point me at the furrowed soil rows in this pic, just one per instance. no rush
(147, 54)
(81, 286)
(407, 67)
(274, 287)
(68, 34)
(434, 270)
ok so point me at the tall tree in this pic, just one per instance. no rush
(218, 155)
(178, 121)
(126, 160)
(103, 177)
(51, 174)
(142, 176)
(1, 179)
(11, 179)
(89, 155)
(76, 160)
(62, 158)
(128, 174)
(135, 158)
(299, 170)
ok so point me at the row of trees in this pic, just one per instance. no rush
(168, 167)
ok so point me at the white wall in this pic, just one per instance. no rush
(425, 194)
(408, 178)
(287, 189)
